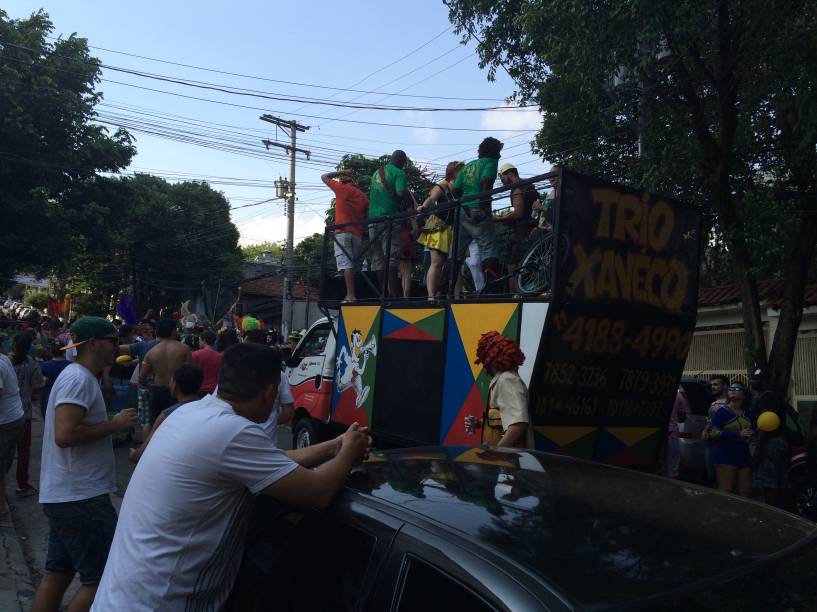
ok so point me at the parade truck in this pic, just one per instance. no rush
(603, 304)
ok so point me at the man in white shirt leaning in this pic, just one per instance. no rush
(182, 526)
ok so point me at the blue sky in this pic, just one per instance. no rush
(305, 42)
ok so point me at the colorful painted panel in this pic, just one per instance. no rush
(466, 384)
(573, 441)
(534, 315)
(630, 446)
(356, 364)
(411, 362)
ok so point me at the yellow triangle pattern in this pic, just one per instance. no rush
(631, 435)
(563, 436)
(473, 320)
(359, 317)
(412, 315)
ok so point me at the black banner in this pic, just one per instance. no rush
(620, 324)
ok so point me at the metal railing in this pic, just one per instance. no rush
(377, 244)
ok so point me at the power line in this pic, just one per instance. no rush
(296, 83)
(277, 96)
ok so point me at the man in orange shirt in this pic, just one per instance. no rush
(351, 204)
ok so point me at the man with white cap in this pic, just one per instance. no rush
(523, 200)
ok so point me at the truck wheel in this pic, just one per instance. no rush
(304, 433)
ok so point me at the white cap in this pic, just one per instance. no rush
(505, 167)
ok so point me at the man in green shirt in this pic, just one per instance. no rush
(476, 218)
(389, 195)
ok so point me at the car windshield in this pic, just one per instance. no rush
(601, 536)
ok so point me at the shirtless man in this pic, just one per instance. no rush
(161, 361)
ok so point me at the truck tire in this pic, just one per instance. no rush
(304, 433)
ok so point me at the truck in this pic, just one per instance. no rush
(605, 340)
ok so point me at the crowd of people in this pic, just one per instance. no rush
(751, 433)
(391, 247)
(208, 420)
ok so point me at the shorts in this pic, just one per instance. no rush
(345, 256)
(9, 433)
(732, 452)
(160, 398)
(380, 243)
(770, 466)
(80, 536)
(477, 225)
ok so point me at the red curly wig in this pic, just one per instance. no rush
(499, 353)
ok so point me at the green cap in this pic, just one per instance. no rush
(87, 328)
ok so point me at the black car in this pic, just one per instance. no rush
(482, 528)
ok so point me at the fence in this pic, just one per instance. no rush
(521, 249)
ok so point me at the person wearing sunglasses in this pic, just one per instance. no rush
(78, 472)
(731, 430)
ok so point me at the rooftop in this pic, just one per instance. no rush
(771, 293)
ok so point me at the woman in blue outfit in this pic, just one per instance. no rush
(731, 428)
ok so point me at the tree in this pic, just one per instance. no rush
(307, 258)
(704, 100)
(159, 240)
(37, 299)
(48, 144)
(420, 180)
(276, 249)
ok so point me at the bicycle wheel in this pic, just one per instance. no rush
(534, 273)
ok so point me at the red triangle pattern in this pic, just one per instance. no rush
(471, 406)
(411, 332)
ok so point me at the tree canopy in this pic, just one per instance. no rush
(48, 143)
(64, 212)
(708, 101)
(250, 252)
(158, 239)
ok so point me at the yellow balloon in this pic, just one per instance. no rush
(768, 421)
(122, 359)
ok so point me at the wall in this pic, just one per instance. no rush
(718, 348)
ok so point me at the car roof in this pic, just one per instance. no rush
(602, 536)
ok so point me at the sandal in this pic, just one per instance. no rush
(28, 491)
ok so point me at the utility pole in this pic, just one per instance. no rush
(292, 128)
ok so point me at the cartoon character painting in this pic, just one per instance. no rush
(351, 366)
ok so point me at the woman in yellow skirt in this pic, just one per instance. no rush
(438, 233)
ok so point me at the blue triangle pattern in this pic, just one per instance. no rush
(458, 377)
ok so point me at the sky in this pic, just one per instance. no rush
(399, 55)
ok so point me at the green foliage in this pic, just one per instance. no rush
(37, 299)
(162, 240)
(308, 251)
(47, 143)
(420, 180)
(249, 253)
(90, 305)
(16, 291)
(705, 100)
(725, 105)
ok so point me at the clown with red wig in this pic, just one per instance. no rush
(506, 422)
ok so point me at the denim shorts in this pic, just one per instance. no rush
(347, 247)
(80, 537)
